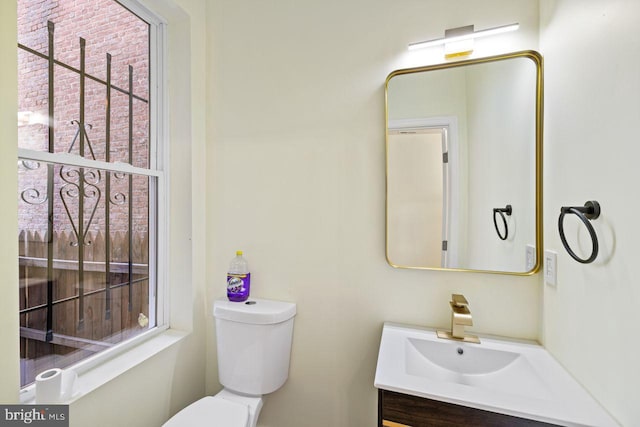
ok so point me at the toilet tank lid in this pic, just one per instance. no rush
(255, 311)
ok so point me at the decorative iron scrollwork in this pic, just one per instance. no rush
(30, 164)
(82, 129)
(80, 183)
(118, 198)
(32, 195)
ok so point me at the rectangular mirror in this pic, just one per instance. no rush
(464, 165)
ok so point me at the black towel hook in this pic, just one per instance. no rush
(501, 211)
(590, 210)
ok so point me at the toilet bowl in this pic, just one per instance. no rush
(254, 349)
(225, 409)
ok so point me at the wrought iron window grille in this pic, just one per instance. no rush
(80, 187)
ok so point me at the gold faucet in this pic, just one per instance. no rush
(460, 317)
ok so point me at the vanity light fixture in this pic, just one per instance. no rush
(459, 41)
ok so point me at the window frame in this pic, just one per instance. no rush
(159, 195)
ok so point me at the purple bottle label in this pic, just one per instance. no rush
(238, 286)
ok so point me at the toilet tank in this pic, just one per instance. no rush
(254, 344)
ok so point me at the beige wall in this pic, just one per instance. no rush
(148, 394)
(296, 180)
(9, 351)
(592, 120)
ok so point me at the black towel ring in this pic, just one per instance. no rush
(501, 211)
(590, 210)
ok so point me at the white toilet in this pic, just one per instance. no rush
(254, 348)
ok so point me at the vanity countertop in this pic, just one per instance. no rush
(511, 377)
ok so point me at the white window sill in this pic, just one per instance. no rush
(112, 368)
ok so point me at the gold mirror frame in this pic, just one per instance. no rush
(537, 60)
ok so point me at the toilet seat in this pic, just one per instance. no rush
(211, 411)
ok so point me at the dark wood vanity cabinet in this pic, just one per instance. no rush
(402, 410)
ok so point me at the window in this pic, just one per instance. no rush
(89, 179)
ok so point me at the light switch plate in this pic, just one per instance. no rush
(550, 268)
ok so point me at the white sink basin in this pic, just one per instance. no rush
(499, 375)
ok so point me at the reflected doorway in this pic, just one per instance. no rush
(420, 193)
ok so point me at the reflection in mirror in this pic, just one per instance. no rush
(463, 145)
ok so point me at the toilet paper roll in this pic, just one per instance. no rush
(49, 386)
